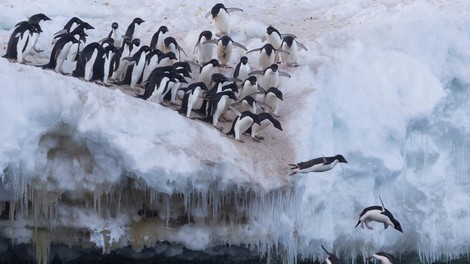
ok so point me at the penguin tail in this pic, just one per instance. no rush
(358, 222)
(294, 169)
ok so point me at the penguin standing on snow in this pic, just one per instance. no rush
(317, 165)
(384, 258)
(274, 37)
(291, 47)
(271, 75)
(265, 119)
(18, 41)
(61, 50)
(205, 74)
(242, 70)
(133, 30)
(190, 97)
(103, 66)
(267, 55)
(204, 50)
(224, 48)
(379, 214)
(249, 86)
(242, 123)
(220, 15)
(218, 104)
(87, 59)
(136, 67)
(272, 98)
(331, 258)
(114, 35)
(157, 39)
(170, 45)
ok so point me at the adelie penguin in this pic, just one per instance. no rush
(330, 258)
(265, 119)
(273, 97)
(136, 66)
(171, 45)
(221, 17)
(379, 214)
(24, 38)
(225, 48)
(242, 70)
(267, 54)
(242, 123)
(133, 30)
(271, 75)
(291, 46)
(207, 69)
(384, 258)
(87, 59)
(317, 164)
(249, 86)
(204, 50)
(61, 50)
(157, 39)
(190, 97)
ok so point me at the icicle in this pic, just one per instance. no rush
(42, 245)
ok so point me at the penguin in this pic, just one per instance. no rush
(113, 34)
(249, 86)
(272, 98)
(273, 37)
(87, 59)
(61, 49)
(76, 47)
(291, 46)
(118, 62)
(384, 258)
(136, 67)
(265, 119)
(242, 69)
(206, 71)
(133, 30)
(242, 123)
(220, 15)
(157, 84)
(267, 54)
(104, 66)
(69, 26)
(331, 258)
(379, 214)
(167, 59)
(151, 62)
(190, 97)
(170, 45)
(247, 103)
(224, 48)
(34, 20)
(204, 50)
(183, 69)
(157, 38)
(18, 42)
(271, 75)
(219, 103)
(134, 47)
(317, 164)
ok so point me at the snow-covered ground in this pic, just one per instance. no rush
(385, 83)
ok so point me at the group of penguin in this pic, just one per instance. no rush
(159, 69)
(376, 213)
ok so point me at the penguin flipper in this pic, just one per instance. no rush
(236, 44)
(385, 226)
(256, 72)
(281, 73)
(302, 46)
(253, 50)
(232, 9)
(358, 222)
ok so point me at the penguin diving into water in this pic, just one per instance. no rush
(384, 258)
(317, 164)
(379, 214)
(331, 258)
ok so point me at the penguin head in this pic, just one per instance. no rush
(218, 78)
(225, 40)
(170, 40)
(274, 67)
(271, 29)
(171, 55)
(340, 158)
(136, 42)
(216, 9)
(231, 86)
(396, 224)
(206, 34)
(35, 19)
(244, 60)
(268, 48)
(182, 65)
(288, 40)
(276, 123)
(276, 92)
(85, 25)
(138, 21)
(252, 79)
(115, 25)
(163, 29)
(126, 41)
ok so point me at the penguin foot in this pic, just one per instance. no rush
(256, 139)
(239, 140)
(38, 50)
(259, 138)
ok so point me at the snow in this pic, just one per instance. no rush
(384, 83)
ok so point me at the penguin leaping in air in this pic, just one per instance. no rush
(317, 164)
(379, 214)
(331, 258)
(384, 258)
